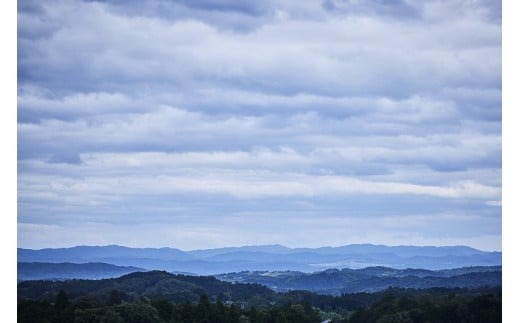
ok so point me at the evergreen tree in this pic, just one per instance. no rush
(280, 318)
(62, 300)
(203, 308)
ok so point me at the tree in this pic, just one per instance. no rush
(234, 314)
(62, 300)
(280, 318)
(116, 297)
(138, 313)
(203, 308)
(64, 311)
(164, 308)
(253, 314)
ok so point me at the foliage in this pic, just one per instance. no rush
(163, 297)
(428, 308)
(153, 284)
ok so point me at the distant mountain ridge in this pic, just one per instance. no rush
(269, 257)
(99, 252)
(67, 270)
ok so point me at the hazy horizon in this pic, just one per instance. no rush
(246, 246)
(226, 123)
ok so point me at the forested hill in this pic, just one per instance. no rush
(159, 296)
(371, 279)
(331, 281)
(184, 287)
(152, 284)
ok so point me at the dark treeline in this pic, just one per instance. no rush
(152, 285)
(159, 310)
(392, 305)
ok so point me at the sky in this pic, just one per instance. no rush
(224, 123)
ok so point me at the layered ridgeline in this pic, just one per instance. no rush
(269, 258)
(158, 296)
(151, 284)
(371, 279)
(331, 281)
(181, 288)
(67, 270)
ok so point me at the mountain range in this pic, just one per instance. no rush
(268, 258)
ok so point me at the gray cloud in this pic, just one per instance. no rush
(394, 8)
(95, 50)
(197, 115)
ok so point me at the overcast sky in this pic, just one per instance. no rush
(217, 123)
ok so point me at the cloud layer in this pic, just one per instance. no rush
(201, 120)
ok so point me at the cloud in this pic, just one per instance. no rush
(228, 231)
(374, 138)
(494, 203)
(180, 112)
(396, 8)
(120, 53)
